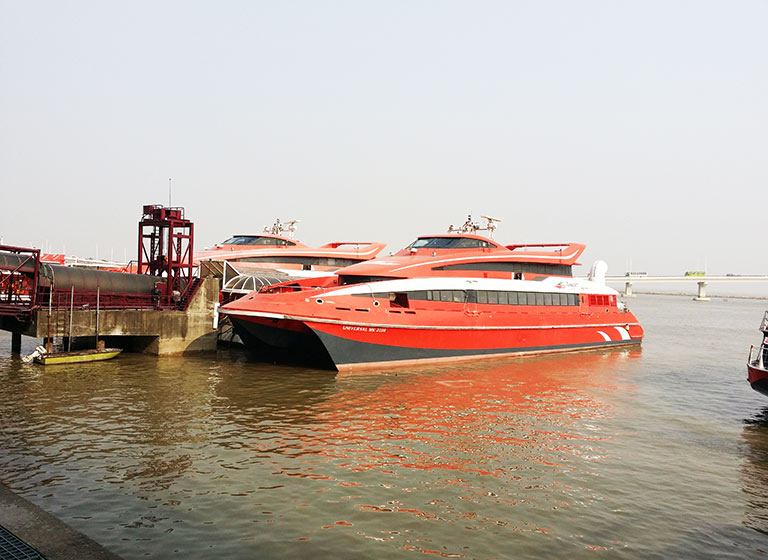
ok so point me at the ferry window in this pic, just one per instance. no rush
(431, 243)
(539, 299)
(418, 295)
(548, 299)
(531, 298)
(471, 296)
(445, 295)
(253, 240)
(398, 299)
(467, 243)
(458, 296)
(512, 298)
(482, 297)
(449, 243)
(493, 297)
(503, 298)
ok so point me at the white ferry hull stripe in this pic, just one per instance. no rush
(623, 332)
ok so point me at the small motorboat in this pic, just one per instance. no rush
(77, 356)
(757, 363)
(46, 358)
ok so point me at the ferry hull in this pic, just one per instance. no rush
(758, 379)
(288, 341)
(351, 355)
(350, 347)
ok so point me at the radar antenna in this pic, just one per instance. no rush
(279, 228)
(472, 228)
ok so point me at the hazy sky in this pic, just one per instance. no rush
(639, 128)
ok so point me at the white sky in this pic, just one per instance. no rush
(639, 128)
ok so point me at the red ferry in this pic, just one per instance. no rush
(757, 363)
(444, 297)
(276, 249)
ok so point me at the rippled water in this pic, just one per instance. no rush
(658, 452)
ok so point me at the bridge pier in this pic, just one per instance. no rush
(702, 295)
(628, 290)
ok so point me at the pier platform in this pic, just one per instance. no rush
(163, 332)
(28, 532)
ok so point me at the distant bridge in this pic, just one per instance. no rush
(702, 281)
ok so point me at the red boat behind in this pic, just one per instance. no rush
(757, 363)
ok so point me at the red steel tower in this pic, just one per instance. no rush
(166, 242)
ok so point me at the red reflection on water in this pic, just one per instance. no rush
(466, 419)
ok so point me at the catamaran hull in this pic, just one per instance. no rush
(282, 340)
(355, 346)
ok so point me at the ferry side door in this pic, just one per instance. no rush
(470, 304)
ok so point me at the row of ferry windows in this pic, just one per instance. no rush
(531, 268)
(257, 240)
(307, 261)
(490, 297)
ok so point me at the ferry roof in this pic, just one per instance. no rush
(418, 260)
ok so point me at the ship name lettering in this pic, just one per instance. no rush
(363, 329)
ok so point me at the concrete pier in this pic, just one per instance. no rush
(160, 332)
(702, 295)
(628, 290)
(44, 533)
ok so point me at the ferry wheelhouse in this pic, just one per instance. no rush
(757, 363)
(444, 297)
(275, 248)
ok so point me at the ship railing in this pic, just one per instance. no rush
(758, 356)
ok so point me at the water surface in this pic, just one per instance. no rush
(655, 452)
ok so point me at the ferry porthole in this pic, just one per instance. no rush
(319, 300)
(375, 303)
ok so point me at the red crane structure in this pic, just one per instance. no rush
(166, 242)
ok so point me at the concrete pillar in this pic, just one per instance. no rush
(702, 292)
(16, 343)
(628, 290)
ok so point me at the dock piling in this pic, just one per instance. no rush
(16, 343)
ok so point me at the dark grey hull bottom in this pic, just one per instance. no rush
(325, 350)
(273, 344)
(351, 353)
